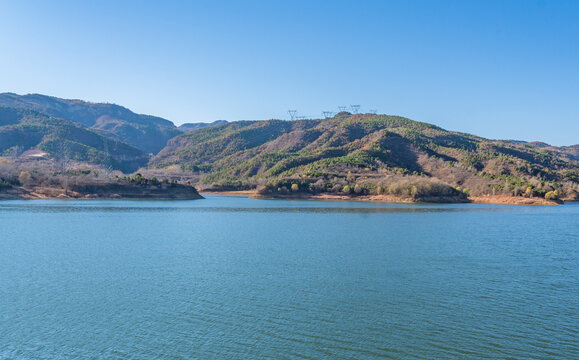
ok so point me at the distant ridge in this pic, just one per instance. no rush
(195, 126)
(148, 133)
(29, 132)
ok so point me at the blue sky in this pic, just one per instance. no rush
(499, 69)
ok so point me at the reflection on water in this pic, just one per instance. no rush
(230, 277)
(232, 202)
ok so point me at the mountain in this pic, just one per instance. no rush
(195, 126)
(145, 132)
(366, 150)
(24, 130)
(572, 151)
(362, 153)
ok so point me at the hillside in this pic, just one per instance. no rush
(26, 130)
(196, 126)
(145, 132)
(367, 154)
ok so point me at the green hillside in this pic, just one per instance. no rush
(145, 132)
(367, 151)
(23, 130)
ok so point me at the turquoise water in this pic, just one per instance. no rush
(234, 278)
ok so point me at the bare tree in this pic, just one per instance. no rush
(64, 156)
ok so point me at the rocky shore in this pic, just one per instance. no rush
(113, 190)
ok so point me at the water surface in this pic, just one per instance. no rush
(231, 278)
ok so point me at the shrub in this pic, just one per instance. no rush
(318, 186)
(24, 177)
(528, 192)
(4, 184)
(552, 195)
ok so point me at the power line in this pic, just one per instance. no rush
(327, 114)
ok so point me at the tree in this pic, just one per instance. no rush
(318, 186)
(16, 151)
(413, 191)
(552, 195)
(528, 192)
(24, 177)
(295, 187)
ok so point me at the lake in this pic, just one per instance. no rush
(230, 277)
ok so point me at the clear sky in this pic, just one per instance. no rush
(499, 69)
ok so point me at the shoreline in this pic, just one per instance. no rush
(59, 194)
(102, 193)
(228, 192)
(485, 199)
(514, 200)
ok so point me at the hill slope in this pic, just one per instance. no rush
(366, 150)
(195, 126)
(23, 130)
(148, 133)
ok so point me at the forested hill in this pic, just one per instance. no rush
(145, 132)
(365, 150)
(361, 153)
(25, 130)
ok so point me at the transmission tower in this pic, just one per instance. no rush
(373, 111)
(292, 114)
(327, 114)
(342, 108)
(355, 108)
